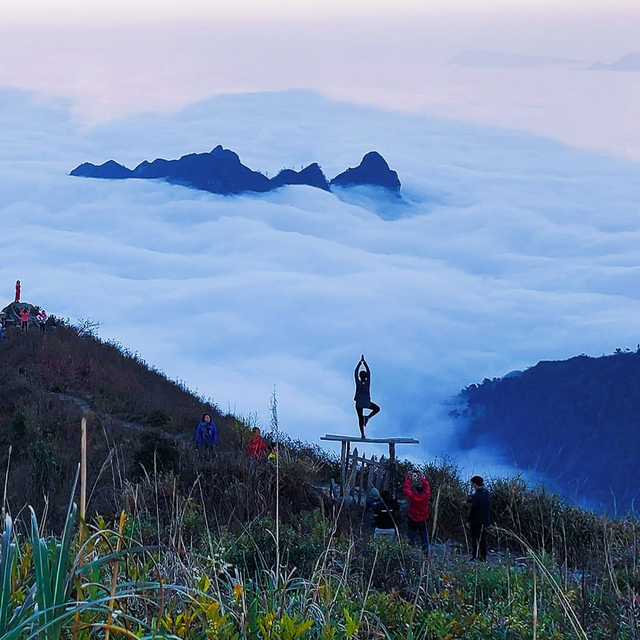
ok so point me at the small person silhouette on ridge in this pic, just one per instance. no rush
(24, 317)
(362, 397)
(42, 320)
(17, 291)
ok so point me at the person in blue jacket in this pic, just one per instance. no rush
(206, 432)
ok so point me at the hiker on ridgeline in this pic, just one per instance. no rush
(206, 432)
(418, 492)
(257, 447)
(24, 317)
(17, 291)
(362, 397)
(384, 516)
(42, 320)
(479, 518)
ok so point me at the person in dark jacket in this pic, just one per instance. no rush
(418, 492)
(42, 320)
(384, 516)
(362, 397)
(206, 432)
(479, 518)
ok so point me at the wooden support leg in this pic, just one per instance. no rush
(346, 470)
(392, 467)
(343, 467)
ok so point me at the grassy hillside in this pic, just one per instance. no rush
(212, 544)
(141, 423)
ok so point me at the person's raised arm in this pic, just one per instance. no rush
(407, 486)
(427, 487)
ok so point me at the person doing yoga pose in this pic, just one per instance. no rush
(362, 398)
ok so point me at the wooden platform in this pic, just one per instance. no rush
(337, 438)
(346, 455)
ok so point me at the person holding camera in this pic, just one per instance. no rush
(418, 492)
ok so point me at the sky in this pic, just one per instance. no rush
(117, 58)
(517, 241)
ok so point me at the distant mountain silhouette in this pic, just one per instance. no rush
(482, 58)
(373, 170)
(109, 169)
(575, 422)
(630, 62)
(221, 171)
(311, 175)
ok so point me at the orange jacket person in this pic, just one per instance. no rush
(24, 316)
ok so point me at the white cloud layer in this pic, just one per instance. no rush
(511, 249)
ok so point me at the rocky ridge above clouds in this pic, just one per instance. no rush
(222, 172)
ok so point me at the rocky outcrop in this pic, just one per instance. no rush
(222, 172)
(372, 171)
(311, 175)
(110, 169)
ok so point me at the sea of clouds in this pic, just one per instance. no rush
(509, 249)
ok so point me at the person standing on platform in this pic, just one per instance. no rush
(18, 288)
(362, 397)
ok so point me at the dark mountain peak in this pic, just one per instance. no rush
(374, 160)
(373, 170)
(219, 150)
(221, 171)
(109, 169)
(629, 62)
(311, 175)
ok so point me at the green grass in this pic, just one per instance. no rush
(212, 545)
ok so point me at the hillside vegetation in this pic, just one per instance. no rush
(211, 544)
(575, 422)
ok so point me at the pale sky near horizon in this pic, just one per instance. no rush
(115, 59)
(119, 11)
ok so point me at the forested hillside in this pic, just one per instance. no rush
(574, 422)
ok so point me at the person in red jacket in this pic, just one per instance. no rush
(17, 291)
(418, 492)
(257, 446)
